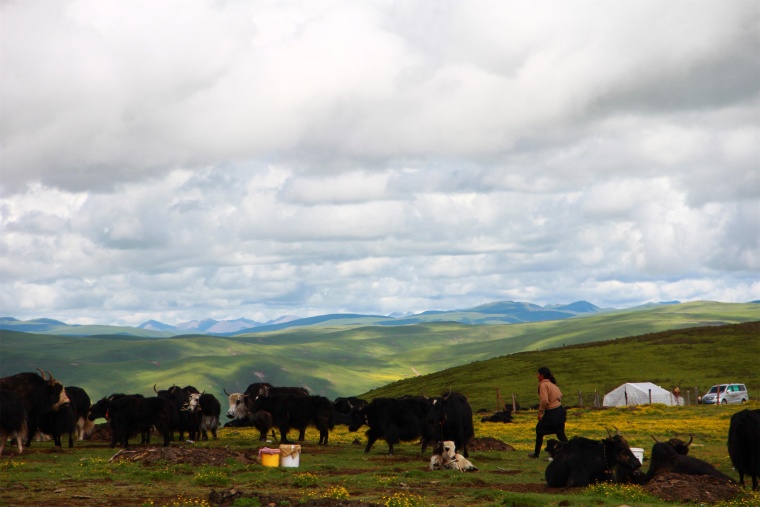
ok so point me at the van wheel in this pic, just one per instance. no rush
(744, 401)
(724, 402)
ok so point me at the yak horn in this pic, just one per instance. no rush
(225, 391)
(654, 438)
(616, 430)
(42, 373)
(51, 379)
(154, 389)
(609, 433)
(691, 439)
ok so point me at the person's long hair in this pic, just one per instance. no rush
(547, 373)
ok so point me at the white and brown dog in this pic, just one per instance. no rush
(445, 457)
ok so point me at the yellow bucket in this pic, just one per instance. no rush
(269, 457)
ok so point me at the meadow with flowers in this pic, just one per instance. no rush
(225, 472)
(341, 472)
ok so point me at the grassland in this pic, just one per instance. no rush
(84, 476)
(347, 360)
(689, 358)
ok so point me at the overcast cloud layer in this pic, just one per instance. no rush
(182, 160)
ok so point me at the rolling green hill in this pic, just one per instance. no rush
(341, 360)
(693, 358)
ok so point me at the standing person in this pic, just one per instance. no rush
(551, 413)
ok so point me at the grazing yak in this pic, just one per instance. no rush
(39, 394)
(744, 444)
(132, 414)
(394, 420)
(450, 416)
(298, 412)
(342, 407)
(70, 419)
(209, 409)
(12, 419)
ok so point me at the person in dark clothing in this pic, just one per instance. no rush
(551, 413)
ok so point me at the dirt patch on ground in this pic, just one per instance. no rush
(488, 444)
(100, 433)
(186, 455)
(227, 497)
(691, 488)
(669, 487)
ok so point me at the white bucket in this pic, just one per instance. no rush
(290, 456)
(639, 453)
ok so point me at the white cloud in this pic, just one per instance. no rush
(175, 161)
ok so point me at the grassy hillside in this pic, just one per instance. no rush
(688, 358)
(343, 360)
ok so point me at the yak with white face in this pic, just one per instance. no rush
(238, 408)
(208, 408)
(445, 457)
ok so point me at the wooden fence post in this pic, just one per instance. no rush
(514, 402)
(650, 396)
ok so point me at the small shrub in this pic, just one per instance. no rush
(621, 492)
(333, 492)
(180, 501)
(211, 478)
(404, 500)
(160, 475)
(305, 480)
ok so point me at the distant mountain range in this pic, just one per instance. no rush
(499, 312)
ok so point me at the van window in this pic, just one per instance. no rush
(742, 388)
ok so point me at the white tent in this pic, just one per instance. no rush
(640, 393)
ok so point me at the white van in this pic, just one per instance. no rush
(726, 393)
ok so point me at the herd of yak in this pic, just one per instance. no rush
(30, 403)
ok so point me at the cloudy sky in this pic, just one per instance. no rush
(179, 160)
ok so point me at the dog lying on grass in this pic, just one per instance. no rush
(445, 457)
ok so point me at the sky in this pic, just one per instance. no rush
(181, 160)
